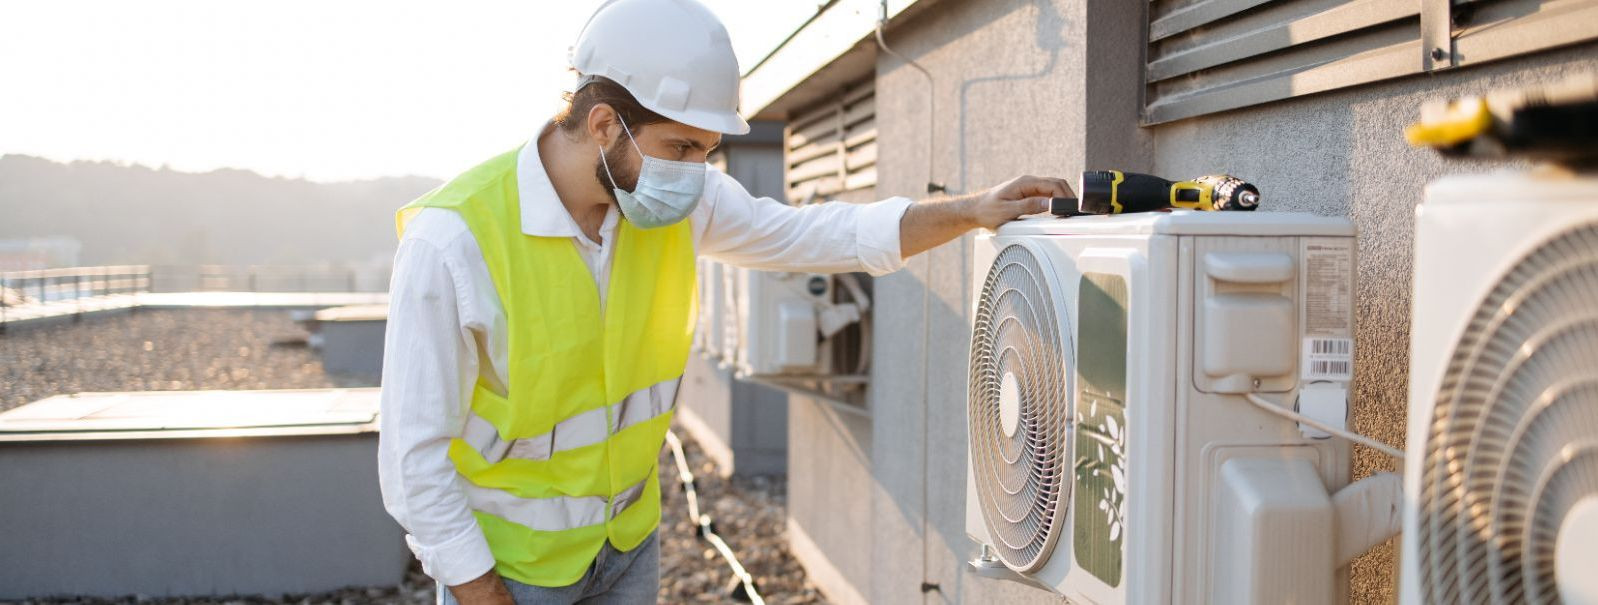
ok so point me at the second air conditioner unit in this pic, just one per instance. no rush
(1113, 456)
(764, 324)
(1501, 480)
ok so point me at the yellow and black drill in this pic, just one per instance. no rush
(1117, 192)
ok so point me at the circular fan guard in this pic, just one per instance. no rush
(1513, 443)
(1020, 410)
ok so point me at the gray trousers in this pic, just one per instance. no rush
(624, 578)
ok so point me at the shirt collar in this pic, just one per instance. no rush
(542, 213)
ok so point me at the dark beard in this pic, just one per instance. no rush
(616, 157)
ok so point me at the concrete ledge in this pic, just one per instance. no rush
(827, 578)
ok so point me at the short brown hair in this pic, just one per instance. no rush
(602, 90)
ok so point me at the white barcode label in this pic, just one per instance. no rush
(1331, 346)
(1330, 368)
(1328, 359)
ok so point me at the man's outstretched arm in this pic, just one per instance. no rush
(930, 223)
(833, 237)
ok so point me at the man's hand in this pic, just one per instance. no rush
(930, 223)
(487, 589)
(1018, 197)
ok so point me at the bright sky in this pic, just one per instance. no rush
(321, 89)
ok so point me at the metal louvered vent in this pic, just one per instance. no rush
(1513, 447)
(1020, 408)
(832, 147)
(1206, 56)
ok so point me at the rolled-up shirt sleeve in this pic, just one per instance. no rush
(430, 363)
(832, 237)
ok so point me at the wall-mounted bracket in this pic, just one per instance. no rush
(1437, 35)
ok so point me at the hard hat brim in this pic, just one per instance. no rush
(728, 123)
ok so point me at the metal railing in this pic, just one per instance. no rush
(266, 278)
(76, 285)
(49, 285)
(43, 286)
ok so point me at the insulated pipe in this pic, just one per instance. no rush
(1367, 512)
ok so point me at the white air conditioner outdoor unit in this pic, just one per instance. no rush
(1501, 480)
(772, 324)
(1113, 456)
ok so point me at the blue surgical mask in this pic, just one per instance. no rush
(667, 191)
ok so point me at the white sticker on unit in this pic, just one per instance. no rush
(1328, 359)
(1327, 267)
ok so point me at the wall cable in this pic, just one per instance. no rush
(932, 98)
(926, 292)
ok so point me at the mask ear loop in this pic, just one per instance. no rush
(629, 132)
(606, 164)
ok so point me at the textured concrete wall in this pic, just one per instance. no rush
(1014, 94)
(830, 486)
(1007, 85)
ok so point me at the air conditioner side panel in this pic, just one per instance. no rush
(1214, 426)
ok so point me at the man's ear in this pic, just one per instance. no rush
(602, 125)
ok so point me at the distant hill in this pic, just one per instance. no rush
(139, 215)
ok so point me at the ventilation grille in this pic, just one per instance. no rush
(832, 147)
(1514, 436)
(1020, 408)
(1206, 56)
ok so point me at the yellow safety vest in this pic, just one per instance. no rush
(567, 459)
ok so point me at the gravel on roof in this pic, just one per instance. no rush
(161, 350)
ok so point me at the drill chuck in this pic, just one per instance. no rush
(1228, 192)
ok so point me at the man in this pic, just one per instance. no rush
(542, 308)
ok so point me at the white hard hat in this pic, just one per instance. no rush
(674, 56)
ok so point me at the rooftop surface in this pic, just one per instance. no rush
(162, 350)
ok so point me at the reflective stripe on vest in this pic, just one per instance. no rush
(582, 430)
(552, 514)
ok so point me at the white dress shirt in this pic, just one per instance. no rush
(446, 328)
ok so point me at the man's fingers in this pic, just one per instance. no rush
(1064, 188)
(1030, 205)
(1047, 187)
(1033, 186)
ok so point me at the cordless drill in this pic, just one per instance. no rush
(1116, 192)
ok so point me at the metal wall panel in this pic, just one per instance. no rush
(1205, 56)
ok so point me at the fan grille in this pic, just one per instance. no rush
(1513, 443)
(1020, 411)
